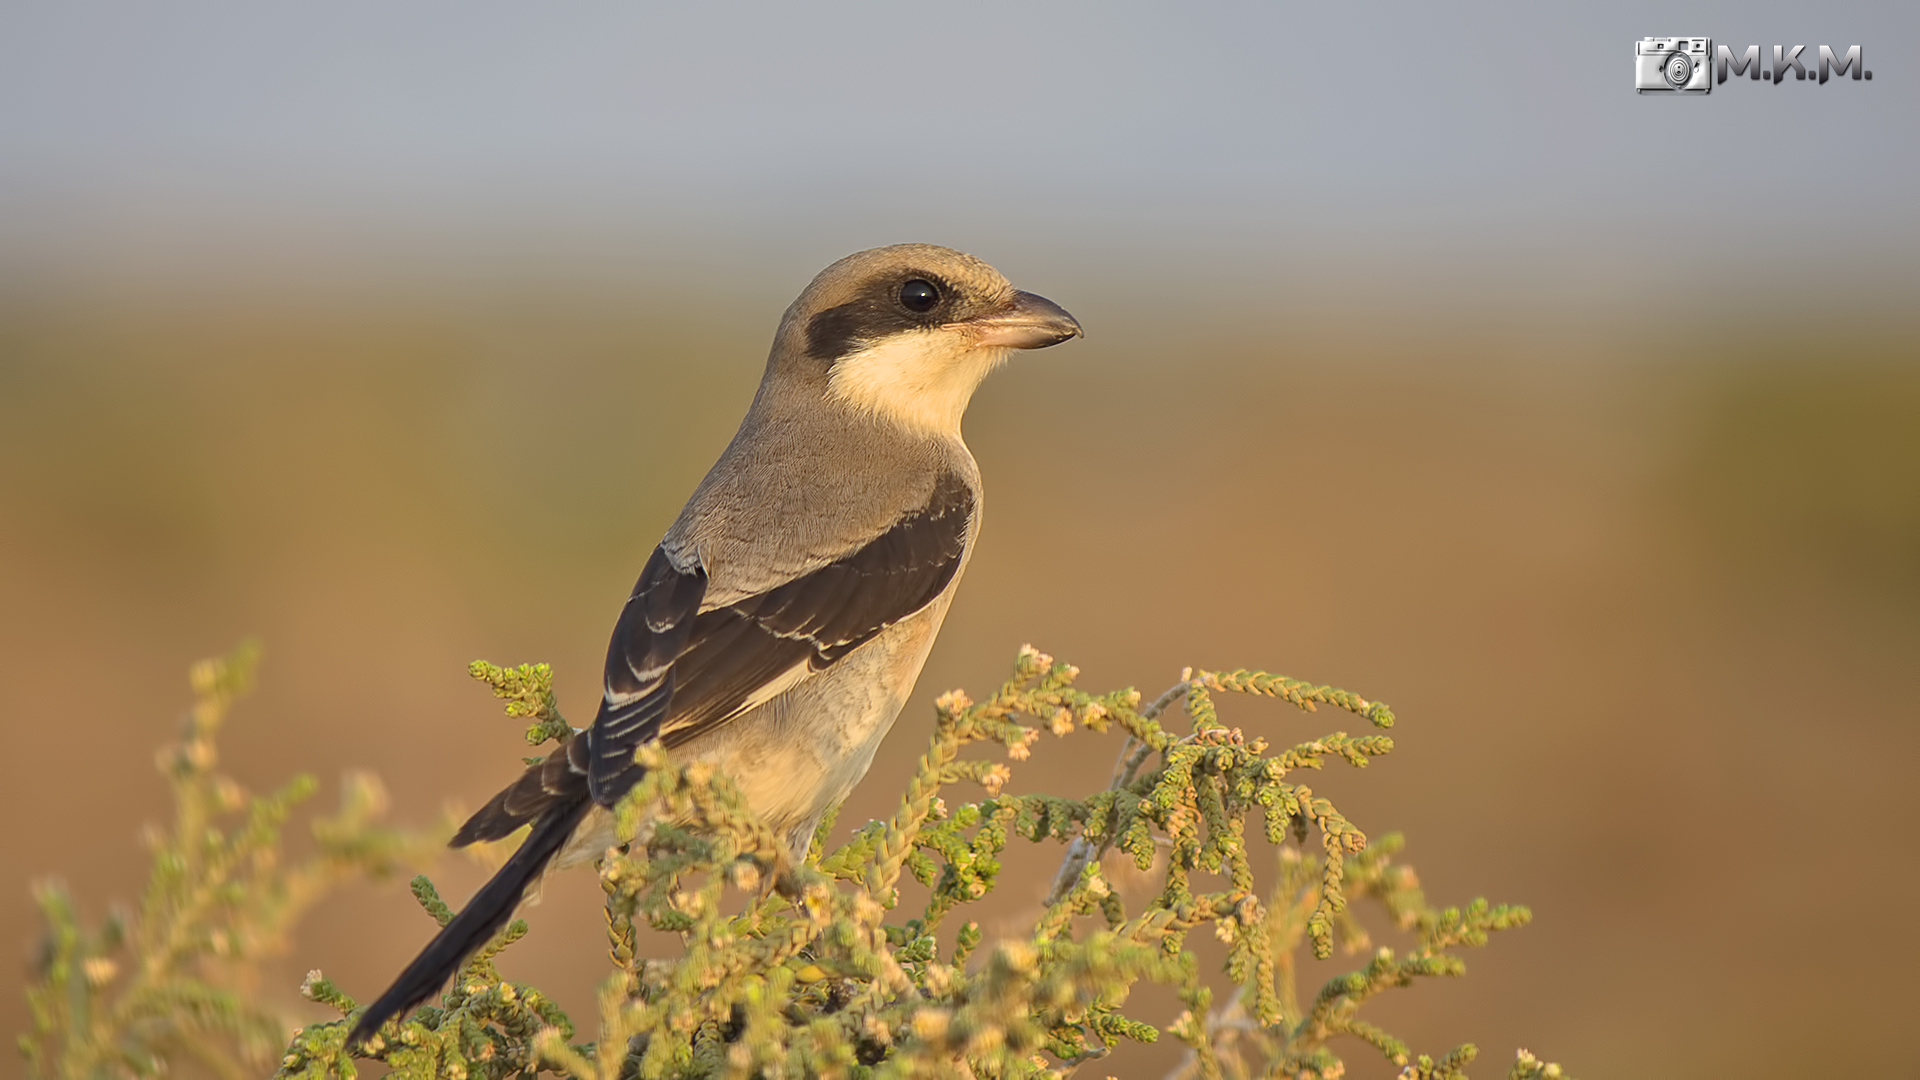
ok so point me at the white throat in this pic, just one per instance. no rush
(921, 380)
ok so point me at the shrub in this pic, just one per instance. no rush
(819, 969)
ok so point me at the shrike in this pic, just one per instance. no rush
(779, 626)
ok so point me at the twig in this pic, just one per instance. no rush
(1133, 754)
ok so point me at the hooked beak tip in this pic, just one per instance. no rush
(1029, 321)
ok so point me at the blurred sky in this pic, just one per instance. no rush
(1431, 151)
(1425, 358)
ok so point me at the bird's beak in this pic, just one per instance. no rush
(1027, 322)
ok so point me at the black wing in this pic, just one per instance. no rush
(675, 672)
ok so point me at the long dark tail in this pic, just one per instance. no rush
(483, 916)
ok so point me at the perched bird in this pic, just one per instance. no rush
(778, 628)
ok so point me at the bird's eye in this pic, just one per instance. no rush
(919, 295)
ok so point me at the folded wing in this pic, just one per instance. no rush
(730, 659)
(677, 670)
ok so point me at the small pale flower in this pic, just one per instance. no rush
(746, 876)
(931, 1024)
(995, 779)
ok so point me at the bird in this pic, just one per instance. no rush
(777, 629)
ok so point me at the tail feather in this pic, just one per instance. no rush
(558, 781)
(483, 916)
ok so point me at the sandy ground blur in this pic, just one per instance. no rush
(1643, 625)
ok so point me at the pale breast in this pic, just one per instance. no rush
(805, 750)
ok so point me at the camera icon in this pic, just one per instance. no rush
(1668, 65)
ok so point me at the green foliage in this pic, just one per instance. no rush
(528, 692)
(168, 982)
(824, 969)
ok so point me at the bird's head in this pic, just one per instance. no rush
(906, 333)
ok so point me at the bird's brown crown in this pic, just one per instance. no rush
(874, 294)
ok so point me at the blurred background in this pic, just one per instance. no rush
(1424, 358)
